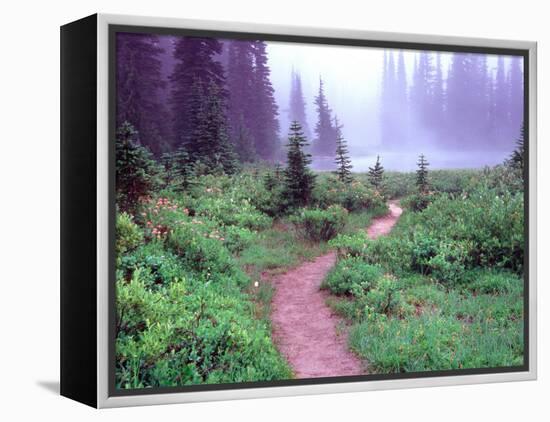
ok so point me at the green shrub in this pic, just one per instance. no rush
(170, 337)
(237, 238)
(383, 298)
(352, 273)
(229, 211)
(417, 201)
(205, 255)
(350, 245)
(321, 225)
(354, 196)
(157, 265)
(128, 234)
(494, 282)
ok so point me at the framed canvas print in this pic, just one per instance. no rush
(252, 210)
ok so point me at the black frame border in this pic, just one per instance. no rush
(113, 29)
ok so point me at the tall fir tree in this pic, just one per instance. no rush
(211, 145)
(422, 181)
(501, 104)
(516, 96)
(265, 125)
(244, 143)
(422, 90)
(297, 106)
(299, 179)
(468, 100)
(140, 84)
(376, 174)
(325, 141)
(196, 68)
(343, 162)
(241, 89)
(438, 102)
(388, 104)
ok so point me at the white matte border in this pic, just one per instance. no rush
(103, 21)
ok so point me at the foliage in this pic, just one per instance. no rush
(517, 158)
(376, 174)
(325, 140)
(422, 174)
(417, 201)
(128, 234)
(354, 196)
(183, 316)
(299, 180)
(179, 169)
(170, 337)
(137, 173)
(351, 274)
(321, 225)
(404, 326)
(343, 161)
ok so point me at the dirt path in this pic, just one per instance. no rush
(383, 225)
(304, 328)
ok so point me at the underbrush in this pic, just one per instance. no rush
(445, 289)
(187, 313)
(412, 324)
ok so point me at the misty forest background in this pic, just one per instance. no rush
(220, 185)
(442, 101)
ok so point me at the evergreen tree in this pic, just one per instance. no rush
(211, 140)
(343, 161)
(264, 125)
(270, 181)
(196, 69)
(326, 135)
(137, 173)
(139, 85)
(422, 91)
(178, 168)
(388, 104)
(517, 158)
(501, 105)
(297, 106)
(241, 89)
(376, 174)
(422, 174)
(299, 180)
(244, 144)
(438, 115)
(515, 84)
(279, 172)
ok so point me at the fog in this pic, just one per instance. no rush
(354, 86)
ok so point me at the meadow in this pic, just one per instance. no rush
(443, 291)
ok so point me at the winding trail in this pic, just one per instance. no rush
(305, 329)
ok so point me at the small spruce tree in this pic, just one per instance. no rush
(422, 174)
(270, 181)
(342, 156)
(376, 174)
(299, 180)
(178, 168)
(279, 172)
(137, 173)
(517, 158)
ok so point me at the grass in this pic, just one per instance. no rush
(436, 328)
(278, 249)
